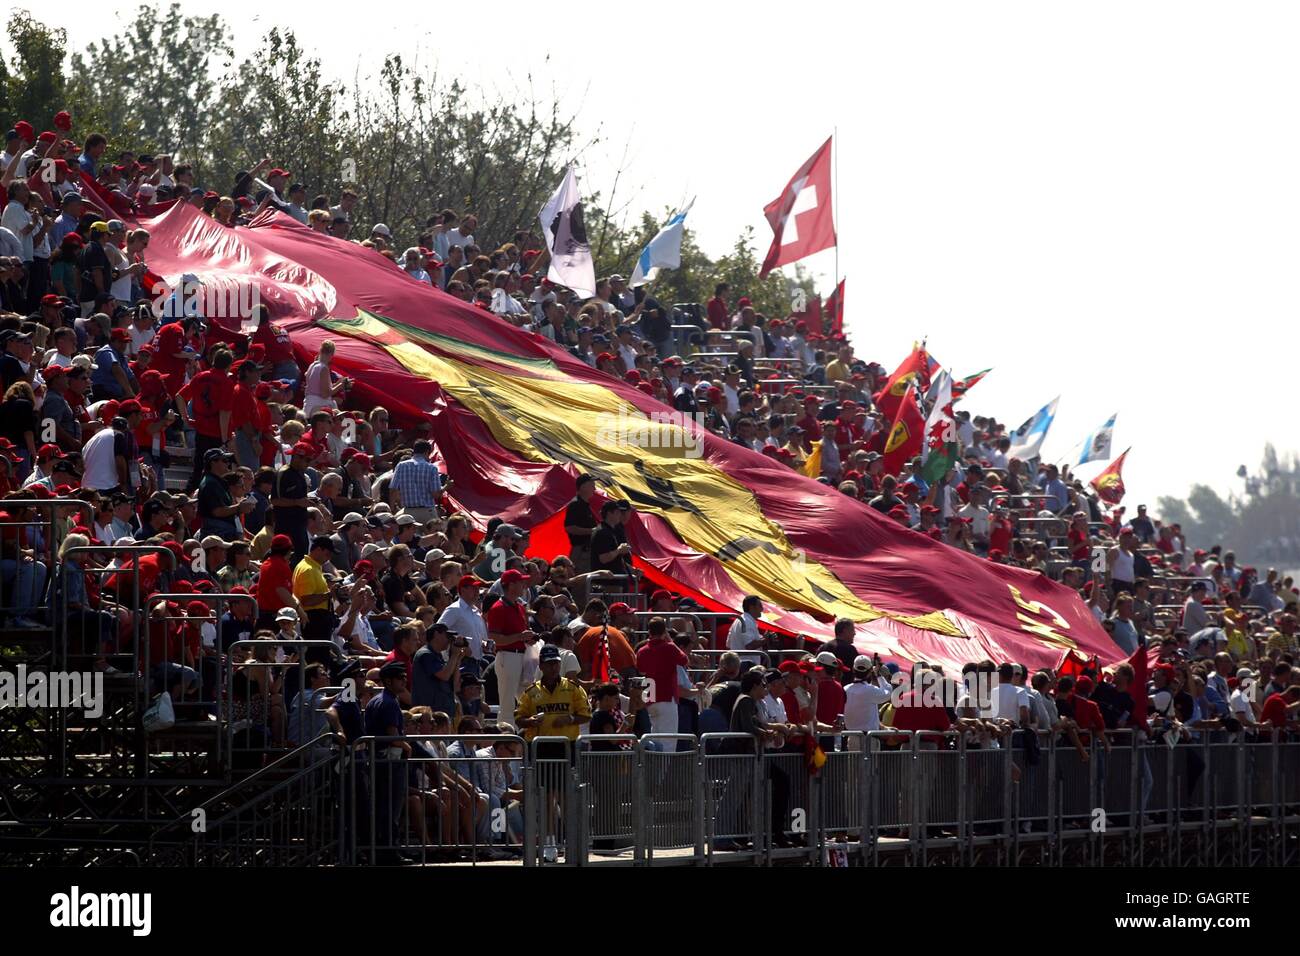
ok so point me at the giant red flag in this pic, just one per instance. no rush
(801, 217)
(1110, 483)
(516, 418)
(906, 437)
(915, 368)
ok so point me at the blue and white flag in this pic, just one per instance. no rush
(664, 251)
(1027, 440)
(1096, 447)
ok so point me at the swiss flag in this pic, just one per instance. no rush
(801, 217)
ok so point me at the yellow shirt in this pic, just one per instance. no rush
(837, 371)
(567, 698)
(308, 580)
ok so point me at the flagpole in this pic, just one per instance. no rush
(835, 198)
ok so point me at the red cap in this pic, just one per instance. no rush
(714, 394)
(304, 448)
(120, 335)
(619, 608)
(46, 452)
(64, 491)
(512, 576)
(279, 172)
(471, 581)
(51, 299)
(660, 595)
(197, 609)
(129, 407)
(25, 130)
(63, 121)
(282, 542)
(48, 136)
(363, 568)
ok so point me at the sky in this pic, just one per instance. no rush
(1096, 199)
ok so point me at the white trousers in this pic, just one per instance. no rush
(509, 668)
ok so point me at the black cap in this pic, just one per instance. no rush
(392, 670)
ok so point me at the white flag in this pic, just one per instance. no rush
(566, 237)
(664, 251)
(1096, 447)
(1027, 440)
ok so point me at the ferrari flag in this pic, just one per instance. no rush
(515, 418)
(1110, 483)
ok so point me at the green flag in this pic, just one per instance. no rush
(942, 449)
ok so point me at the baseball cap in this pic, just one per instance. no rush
(862, 663)
(512, 576)
(549, 653)
(619, 607)
(474, 581)
(286, 614)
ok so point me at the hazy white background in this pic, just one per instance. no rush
(1098, 199)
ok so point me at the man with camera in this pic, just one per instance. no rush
(435, 669)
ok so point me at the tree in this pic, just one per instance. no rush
(155, 83)
(34, 90)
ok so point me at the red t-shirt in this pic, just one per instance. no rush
(1000, 535)
(717, 310)
(245, 408)
(211, 392)
(150, 414)
(1078, 541)
(1274, 711)
(830, 699)
(911, 714)
(276, 342)
(169, 341)
(507, 618)
(275, 574)
(1088, 716)
(658, 659)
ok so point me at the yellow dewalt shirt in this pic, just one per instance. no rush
(567, 698)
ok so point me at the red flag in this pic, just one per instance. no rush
(890, 398)
(1073, 664)
(1110, 483)
(1139, 664)
(801, 217)
(906, 437)
(834, 311)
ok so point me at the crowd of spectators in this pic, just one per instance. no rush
(325, 522)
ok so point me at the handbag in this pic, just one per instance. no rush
(160, 715)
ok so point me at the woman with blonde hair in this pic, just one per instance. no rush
(18, 423)
(321, 388)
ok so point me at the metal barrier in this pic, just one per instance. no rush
(433, 805)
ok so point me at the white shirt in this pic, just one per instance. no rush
(773, 711)
(16, 218)
(744, 631)
(1007, 699)
(1240, 703)
(466, 621)
(100, 462)
(979, 515)
(862, 702)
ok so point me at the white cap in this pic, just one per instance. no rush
(286, 614)
(827, 659)
(382, 229)
(862, 663)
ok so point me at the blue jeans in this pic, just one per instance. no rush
(28, 579)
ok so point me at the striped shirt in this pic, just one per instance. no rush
(418, 482)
